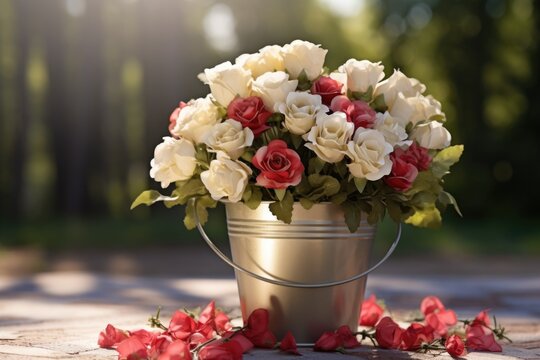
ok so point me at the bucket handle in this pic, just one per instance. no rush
(291, 283)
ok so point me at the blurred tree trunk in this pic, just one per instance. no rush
(23, 14)
(53, 28)
(85, 109)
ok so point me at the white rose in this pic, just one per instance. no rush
(398, 83)
(362, 74)
(273, 88)
(268, 59)
(416, 108)
(300, 110)
(226, 178)
(230, 137)
(228, 81)
(174, 160)
(393, 132)
(303, 55)
(196, 120)
(432, 135)
(341, 78)
(369, 154)
(329, 137)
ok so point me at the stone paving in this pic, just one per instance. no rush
(58, 315)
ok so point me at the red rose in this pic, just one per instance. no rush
(174, 116)
(481, 338)
(230, 350)
(455, 346)
(358, 112)
(111, 337)
(388, 333)
(329, 341)
(431, 304)
(371, 312)
(145, 336)
(402, 175)
(250, 112)
(158, 345)
(280, 166)
(222, 321)
(177, 350)
(437, 316)
(208, 315)
(482, 318)
(181, 326)
(348, 339)
(257, 329)
(440, 320)
(288, 344)
(266, 340)
(416, 155)
(327, 88)
(131, 349)
(415, 335)
(257, 322)
(244, 342)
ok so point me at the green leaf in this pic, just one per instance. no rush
(447, 199)
(190, 189)
(315, 165)
(252, 196)
(429, 217)
(304, 187)
(280, 193)
(323, 185)
(303, 81)
(365, 96)
(247, 156)
(296, 140)
(444, 159)
(222, 111)
(197, 208)
(341, 168)
(275, 118)
(425, 181)
(353, 215)
(149, 197)
(423, 199)
(306, 203)
(438, 117)
(360, 184)
(378, 104)
(339, 198)
(201, 205)
(202, 154)
(190, 222)
(282, 210)
(377, 212)
(394, 210)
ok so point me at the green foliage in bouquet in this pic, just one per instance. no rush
(278, 127)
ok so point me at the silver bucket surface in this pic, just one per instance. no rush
(316, 247)
(310, 275)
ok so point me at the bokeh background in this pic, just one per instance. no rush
(87, 86)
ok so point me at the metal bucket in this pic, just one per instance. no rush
(310, 275)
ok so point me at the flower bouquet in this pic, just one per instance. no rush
(279, 127)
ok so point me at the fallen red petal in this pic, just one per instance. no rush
(288, 344)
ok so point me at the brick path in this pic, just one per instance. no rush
(58, 315)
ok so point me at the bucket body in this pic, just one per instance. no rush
(316, 247)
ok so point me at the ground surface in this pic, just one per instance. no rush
(57, 313)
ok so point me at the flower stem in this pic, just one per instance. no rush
(155, 322)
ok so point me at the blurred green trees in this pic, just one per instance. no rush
(86, 87)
